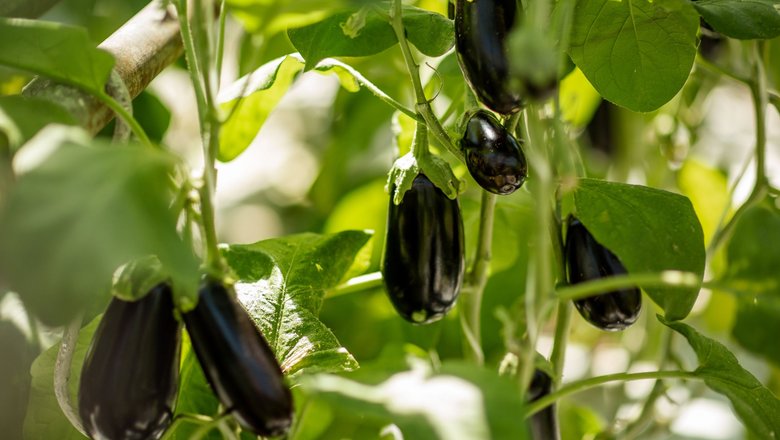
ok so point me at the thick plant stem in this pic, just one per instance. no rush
(760, 97)
(558, 355)
(422, 106)
(197, 61)
(593, 382)
(62, 366)
(470, 302)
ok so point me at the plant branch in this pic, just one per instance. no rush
(357, 284)
(593, 382)
(422, 106)
(760, 97)
(470, 303)
(62, 366)
(126, 117)
(667, 278)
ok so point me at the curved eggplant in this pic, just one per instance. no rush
(131, 372)
(481, 29)
(423, 260)
(238, 362)
(587, 260)
(493, 156)
(544, 425)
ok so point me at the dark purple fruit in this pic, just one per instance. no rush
(131, 372)
(423, 260)
(493, 156)
(481, 30)
(544, 425)
(587, 260)
(238, 362)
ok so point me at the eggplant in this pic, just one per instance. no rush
(238, 362)
(423, 260)
(587, 260)
(544, 425)
(493, 156)
(481, 30)
(131, 372)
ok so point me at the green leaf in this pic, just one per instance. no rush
(432, 33)
(270, 17)
(754, 404)
(282, 282)
(636, 53)
(44, 417)
(650, 230)
(21, 118)
(57, 51)
(70, 222)
(252, 98)
(458, 402)
(752, 271)
(741, 19)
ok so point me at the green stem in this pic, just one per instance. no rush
(668, 278)
(593, 382)
(209, 126)
(422, 106)
(760, 97)
(220, 41)
(62, 367)
(128, 118)
(558, 355)
(470, 302)
(357, 284)
(719, 71)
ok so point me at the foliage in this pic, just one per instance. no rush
(82, 219)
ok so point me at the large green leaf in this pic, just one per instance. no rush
(282, 282)
(44, 417)
(650, 230)
(70, 222)
(752, 271)
(758, 408)
(636, 53)
(269, 17)
(458, 402)
(57, 51)
(21, 118)
(252, 98)
(742, 19)
(432, 33)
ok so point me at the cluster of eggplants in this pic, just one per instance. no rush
(493, 156)
(544, 425)
(131, 373)
(481, 30)
(586, 259)
(423, 261)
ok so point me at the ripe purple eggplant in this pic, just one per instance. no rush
(587, 260)
(493, 156)
(423, 261)
(131, 372)
(238, 362)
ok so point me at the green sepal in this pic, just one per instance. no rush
(135, 279)
(407, 167)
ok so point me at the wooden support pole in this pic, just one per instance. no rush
(142, 47)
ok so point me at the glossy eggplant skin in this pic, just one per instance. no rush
(423, 261)
(238, 362)
(493, 156)
(131, 372)
(587, 260)
(544, 424)
(481, 30)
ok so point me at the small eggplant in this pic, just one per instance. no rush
(423, 260)
(481, 30)
(587, 260)
(493, 156)
(544, 425)
(238, 362)
(131, 371)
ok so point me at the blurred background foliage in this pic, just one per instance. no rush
(320, 162)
